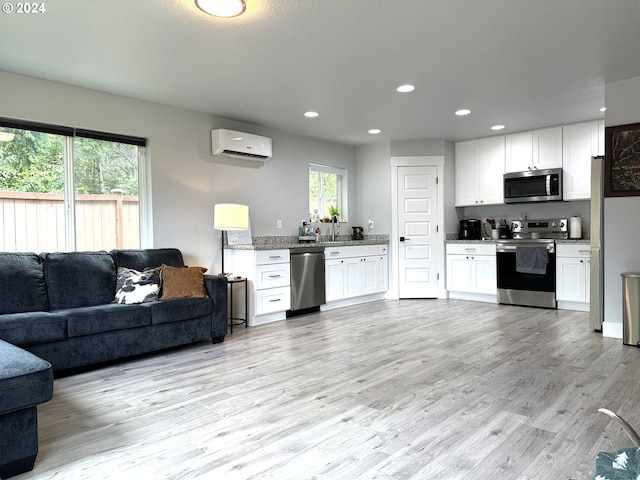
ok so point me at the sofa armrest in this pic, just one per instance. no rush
(216, 286)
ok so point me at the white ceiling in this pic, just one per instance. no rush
(521, 63)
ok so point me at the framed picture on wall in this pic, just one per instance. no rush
(622, 161)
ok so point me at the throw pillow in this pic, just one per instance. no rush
(137, 287)
(187, 282)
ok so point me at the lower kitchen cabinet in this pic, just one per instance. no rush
(471, 271)
(268, 274)
(354, 272)
(572, 276)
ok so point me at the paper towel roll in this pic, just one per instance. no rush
(575, 227)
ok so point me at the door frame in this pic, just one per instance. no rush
(394, 242)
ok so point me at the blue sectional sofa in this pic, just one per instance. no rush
(60, 311)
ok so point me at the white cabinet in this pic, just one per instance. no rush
(355, 271)
(268, 276)
(580, 142)
(479, 171)
(572, 276)
(534, 150)
(471, 269)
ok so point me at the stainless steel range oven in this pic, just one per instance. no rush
(526, 264)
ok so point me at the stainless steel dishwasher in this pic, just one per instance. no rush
(307, 279)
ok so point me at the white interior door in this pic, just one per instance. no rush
(417, 223)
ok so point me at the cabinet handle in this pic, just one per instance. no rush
(584, 251)
(275, 276)
(276, 300)
(334, 253)
(274, 257)
(470, 250)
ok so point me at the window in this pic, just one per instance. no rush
(65, 189)
(327, 192)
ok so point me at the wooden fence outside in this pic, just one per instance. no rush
(35, 222)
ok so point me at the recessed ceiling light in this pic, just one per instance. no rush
(462, 112)
(311, 114)
(375, 131)
(603, 109)
(405, 88)
(222, 8)
(497, 127)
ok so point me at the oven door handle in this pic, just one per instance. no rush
(512, 248)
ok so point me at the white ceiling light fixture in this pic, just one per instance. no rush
(405, 88)
(603, 109)
(497, 127)
(222, 8)
(462, 112)
(311, 114)
(375, 131)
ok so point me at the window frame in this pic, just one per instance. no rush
(145, 226)
(341, 188)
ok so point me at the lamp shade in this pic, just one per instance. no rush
(230, 216)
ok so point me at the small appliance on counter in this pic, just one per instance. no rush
(504, 231)
(357, 234)
(470, 229)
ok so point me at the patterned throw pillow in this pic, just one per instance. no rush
(137, 287)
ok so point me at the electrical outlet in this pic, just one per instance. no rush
(279, 223)
(370, 223)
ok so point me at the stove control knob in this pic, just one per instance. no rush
(554, 224)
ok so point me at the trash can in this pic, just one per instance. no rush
(631, 308)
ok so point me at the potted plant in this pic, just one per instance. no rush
(333, 211)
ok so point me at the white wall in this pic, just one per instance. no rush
(373, 177)
(621, 225)
(186, 182)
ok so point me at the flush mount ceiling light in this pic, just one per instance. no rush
(405, 88)
(222, 8)
(462, 112)
(375, 131)
(497, 127)
(603, 109)
(311, 114)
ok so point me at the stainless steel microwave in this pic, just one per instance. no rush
(533, 186)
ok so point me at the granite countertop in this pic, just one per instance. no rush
(276, 242)
(580, 241)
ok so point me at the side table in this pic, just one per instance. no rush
(235, 320)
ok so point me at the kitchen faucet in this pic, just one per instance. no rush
(334, 224)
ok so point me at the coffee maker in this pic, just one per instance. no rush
(470, 229)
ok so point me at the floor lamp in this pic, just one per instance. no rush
(229, 216)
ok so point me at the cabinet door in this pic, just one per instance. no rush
(491, 170)
(458, 273)
(518, 152)
(369, 275)
(485, 277)
(547, 148)
(570, 279)
(580, 142)
(333, 280)
(351, 277)
(383, 273)
(466, 176)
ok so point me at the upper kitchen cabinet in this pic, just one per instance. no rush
(580, 142)
(479, 171)
(536, 150)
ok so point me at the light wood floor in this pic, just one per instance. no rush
(411, 389)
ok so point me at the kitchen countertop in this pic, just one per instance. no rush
(580, 241)
(276, 242)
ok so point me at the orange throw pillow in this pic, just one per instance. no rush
(186, 282)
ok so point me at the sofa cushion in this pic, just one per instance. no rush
(147, 259)
(30, 328)
(133, 286)
(25, 380)
(79, 279)
(179, 310)
(186, 282)
(104, 318)
(22, 283)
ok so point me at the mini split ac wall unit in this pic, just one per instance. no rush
(229, 143)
